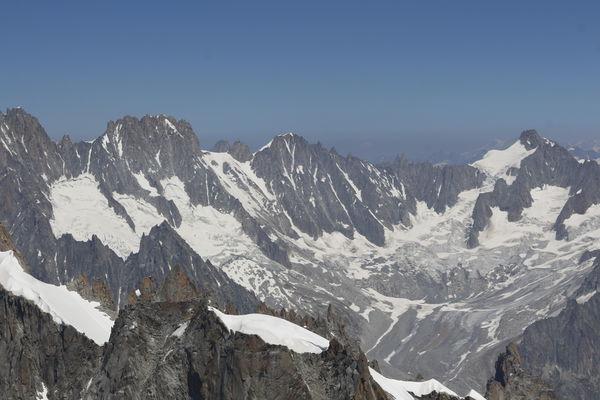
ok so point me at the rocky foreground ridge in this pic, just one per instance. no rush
(172, 347)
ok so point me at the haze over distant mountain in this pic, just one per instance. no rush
(435, 269)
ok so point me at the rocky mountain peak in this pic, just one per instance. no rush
(530, 139)
(65, 142)
(222, 146)
(19, 114)
(25, 145)
(284, 141)
(238, 150)
(150, 129)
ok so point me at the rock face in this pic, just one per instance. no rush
(6, 244)
(96, 290)
(513, 382)
(564, 351)
(557, 356)
(238, 150)
(175, 350)
(437, 186)
(182, 351)
(440, 396)
(38, 355)
(164, 254)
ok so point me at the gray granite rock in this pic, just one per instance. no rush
(35, 353)
(206, 361)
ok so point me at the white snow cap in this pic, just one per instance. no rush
(275, 330)
(400, 389)
(65, 306)
(496, 163)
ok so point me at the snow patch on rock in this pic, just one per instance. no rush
(65, 306)
(275, 331)
(496, 163)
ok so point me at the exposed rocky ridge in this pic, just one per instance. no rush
(145, 359)
(176, 287)
(91, 258)
(163, 252)
(440, 396)
(334, 193)
(556, 357)
(166, 349)
(322, 191)
(513, 382)
(176, 350)
(436, 185)
(6, 244)
(156, 147)
(36, 353)
(238, 150)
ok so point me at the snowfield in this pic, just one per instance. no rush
(80, 208)
(65, 306)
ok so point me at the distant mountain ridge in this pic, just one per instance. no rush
(404, 249)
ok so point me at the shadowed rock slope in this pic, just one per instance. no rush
(183, 351)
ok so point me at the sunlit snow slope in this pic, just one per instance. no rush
(65, 306)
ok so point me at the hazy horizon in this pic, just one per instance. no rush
(371, 80)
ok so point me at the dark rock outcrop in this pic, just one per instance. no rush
(564, 350)
(513, 382)
(182, 351)
(37, 353)
(94, 290)
(439, 396)
(436, 185)
(238, 150)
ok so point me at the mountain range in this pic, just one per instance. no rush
(433, 269)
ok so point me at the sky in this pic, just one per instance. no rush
(373, 78)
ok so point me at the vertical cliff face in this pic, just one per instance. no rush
(565, 350)
(182, 350)
(38, 355)
(513, 382)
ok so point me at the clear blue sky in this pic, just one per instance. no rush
(370, 78)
